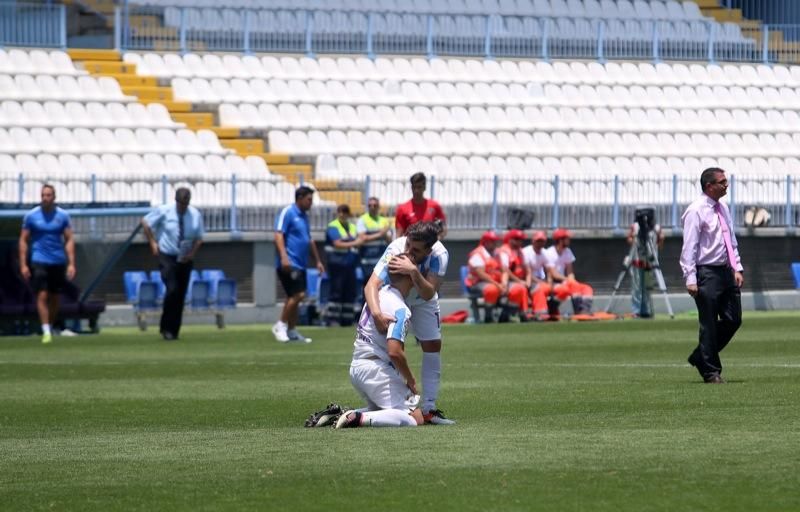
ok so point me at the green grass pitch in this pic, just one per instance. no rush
(590, 416)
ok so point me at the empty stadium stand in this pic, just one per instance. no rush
(452, 115)
(524, 29)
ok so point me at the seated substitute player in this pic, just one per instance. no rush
(379, 370)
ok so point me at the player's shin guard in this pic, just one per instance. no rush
(431, 377)
(387, 418)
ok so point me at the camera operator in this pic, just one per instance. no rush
(645, 238)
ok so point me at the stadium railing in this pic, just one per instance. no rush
(466, 34)
(588, 200)
(487, 35)
(30, 24)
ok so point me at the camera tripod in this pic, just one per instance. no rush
(655, 266)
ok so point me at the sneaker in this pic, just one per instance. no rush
(47, 338)
(437, 417)
(294, 335)
(350, 419)
(279, 331)
(325, 417)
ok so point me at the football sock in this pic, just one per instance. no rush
(387, 418)
(45, 328)
(431, 376)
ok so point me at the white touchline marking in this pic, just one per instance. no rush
(347, 363)
(627, 365)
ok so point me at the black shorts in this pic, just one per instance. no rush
(293, 280)
(52, 278)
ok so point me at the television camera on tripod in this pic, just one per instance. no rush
(642, 264)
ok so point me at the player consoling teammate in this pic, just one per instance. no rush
(418, 262)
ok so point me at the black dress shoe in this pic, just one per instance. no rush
(695, 361)
(168, 336)
(714, 379)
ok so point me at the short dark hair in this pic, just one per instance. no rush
(426, 232)
(183, 195)
(418, 177)
(709, 176)
(343, 208)
(51, 187)
(302, 191)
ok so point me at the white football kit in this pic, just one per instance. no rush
(426, 319)
(371, 372)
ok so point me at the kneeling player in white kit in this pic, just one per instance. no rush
(379, 370)
(426, 268)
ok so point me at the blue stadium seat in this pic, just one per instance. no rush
(200, 298)
(226, 294)
(463, 273)
(312, 284)
(324, 290)
(213, 276)
(194, 276)
(475, 299)
(308, 310)
(360, 282)
(148, 297)
(796, 274)
(155, 277)
(132, 281)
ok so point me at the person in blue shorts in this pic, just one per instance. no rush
(47, 231)
(292, 242)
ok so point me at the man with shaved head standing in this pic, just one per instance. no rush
(52, 256)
